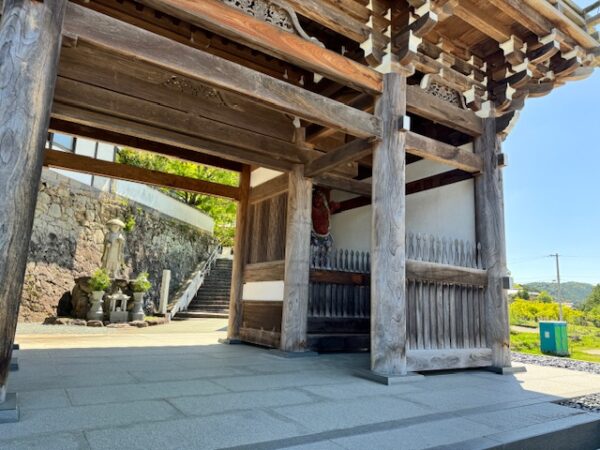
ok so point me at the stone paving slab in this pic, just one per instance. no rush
(48, 398)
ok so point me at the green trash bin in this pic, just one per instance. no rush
(553, 338)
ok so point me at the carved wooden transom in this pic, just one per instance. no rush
(264, 10)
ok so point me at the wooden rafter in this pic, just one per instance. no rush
(78, 163)
(350, 152)
(127, 40)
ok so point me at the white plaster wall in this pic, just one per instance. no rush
(447, 211)
(262, 175)
(263, 291)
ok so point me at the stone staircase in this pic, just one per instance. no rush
(212, 299)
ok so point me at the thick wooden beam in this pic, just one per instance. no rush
(132, 42)
(350, 152)
(109, 137)
(239, 250)
(84, 164)
(444, 273)
(81, 95)
(269, 189)
(436, 181)
(388, 252)
(426, 105)
(265, 271)
(441, 152)
(155, 133)
(489, 211)
(240, 27)
(297, 263)
(344, 184)
(30, 33)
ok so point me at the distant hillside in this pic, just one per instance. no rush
(571, 291)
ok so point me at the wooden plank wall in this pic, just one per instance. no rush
(267, 223)
(261, 323)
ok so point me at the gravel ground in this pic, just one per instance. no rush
(589, 403)
(552, 361)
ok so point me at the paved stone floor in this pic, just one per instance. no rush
(175, 387)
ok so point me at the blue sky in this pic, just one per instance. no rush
(552, 185)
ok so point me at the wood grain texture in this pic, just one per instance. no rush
(239, 250)
(262, 315)
(388, 252)
(489, 210)
(441, 152)
(113, 138)
(128, 41)
(443, 273)
(266, 271)
(426, 105)
(421, 360)
(350, 152)
(269, 189)
(30, 33)
(84, 164)
(265, 338)
(238, 26)
(297, 262)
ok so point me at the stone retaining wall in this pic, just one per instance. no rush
(68, 236)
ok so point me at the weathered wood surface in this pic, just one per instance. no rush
(239, 250)
(262, 315)
(30, 33)
(128, 41)
(84, 164)
(444, 273)
(161, 135)
(441, 152)
(426, 105)
(266, 271)
(240, 27)
(269, 189)
(338, 277)
(267, 230)
(297, 260)
(350, 152)
(421, 360)
(113, 138)
(437, 181)
(260, 337)
(344, 184)
(489, 211)
(388, 257)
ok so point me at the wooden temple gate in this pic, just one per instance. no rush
(341, 94)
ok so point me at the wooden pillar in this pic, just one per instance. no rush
(30, 33)
(489, 211)
(388, 254)
(239, 256)
(297, 262)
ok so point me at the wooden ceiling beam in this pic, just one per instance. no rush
(129, 41)
(84, 164)
(159, 135)
(110, 137)
(240, 27)
(350, 152)
(441, 152)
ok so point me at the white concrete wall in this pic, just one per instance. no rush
(447, 211)
(262, 175)
(263, 291)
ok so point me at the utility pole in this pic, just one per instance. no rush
(560, 310)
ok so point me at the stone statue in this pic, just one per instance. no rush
(114, 247)
(322, 208)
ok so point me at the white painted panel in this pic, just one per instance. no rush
(263, 290)
(262, 175)
(447, 211)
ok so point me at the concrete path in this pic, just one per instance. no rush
(175, 387)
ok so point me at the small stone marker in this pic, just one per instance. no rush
(164, 292)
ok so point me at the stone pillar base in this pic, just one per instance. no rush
(14, 365)
(388, 379)
(231, 341)
(290, 355)
(9, 410)
(506, 370)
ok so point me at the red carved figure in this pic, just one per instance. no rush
(322, 208)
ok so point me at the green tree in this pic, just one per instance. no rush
(223, 211)
(544, 297)
(592, 303)
(523, 293)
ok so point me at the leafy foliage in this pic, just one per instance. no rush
(571, 291)
(543, 297)
(141, 283)
(223, 211)
(529, 312)
(100, 281)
